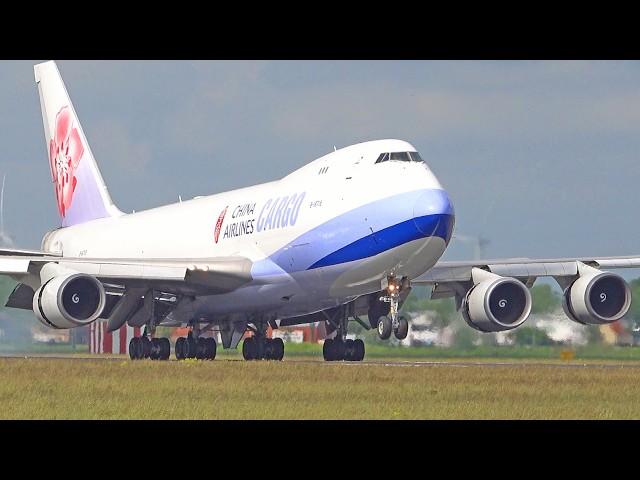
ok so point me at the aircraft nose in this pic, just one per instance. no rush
(433, 214)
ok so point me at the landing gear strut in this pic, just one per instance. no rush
(259, 347)
(341, 348)
(147, 346)
(393, 322)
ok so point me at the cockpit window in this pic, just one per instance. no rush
(415, 156)
(382, 158)
(400, 157)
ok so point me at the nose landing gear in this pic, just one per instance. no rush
(393, 322)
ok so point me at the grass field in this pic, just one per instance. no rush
(114, 389)
(376, 351)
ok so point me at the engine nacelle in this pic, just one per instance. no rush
(597, 298)
(496, 304)
(69, 301)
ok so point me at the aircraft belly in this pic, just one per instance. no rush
(318, 289)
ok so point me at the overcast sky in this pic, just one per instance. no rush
(542, 158)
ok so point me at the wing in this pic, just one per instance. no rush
(132, 285)
(493, 294)
(522, 268)
(204, 276)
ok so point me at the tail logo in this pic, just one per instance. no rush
(65, 152)
(216, 234)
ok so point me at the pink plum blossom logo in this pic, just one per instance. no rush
(65, 152)
(216, 233)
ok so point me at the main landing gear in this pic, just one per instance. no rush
(146, 347)
(260, 347)
(201, 348)
(391, 321)
(339, 347)
(256, 348)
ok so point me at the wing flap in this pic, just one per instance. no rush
(14, 266)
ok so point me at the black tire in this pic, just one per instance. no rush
(165, 349)
(327, 350)
(134, 346)
(249, 349)
(268, 351)
(403, 328)
(384, 328)
(154, 352)
(212, 348)
(202, 346)
(349, 351)
(339, 349)
(278, 349)
(181, 346)
(358, 347)
(146, 347)
(192, 348)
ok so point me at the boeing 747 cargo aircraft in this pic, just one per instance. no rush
(343, 237)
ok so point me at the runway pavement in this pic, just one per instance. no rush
(372, 362)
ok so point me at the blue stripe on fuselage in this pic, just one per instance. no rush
(438, 225)
(364, 231)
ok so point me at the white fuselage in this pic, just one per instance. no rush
(319, 237)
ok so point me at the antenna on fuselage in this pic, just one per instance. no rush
(335, 149)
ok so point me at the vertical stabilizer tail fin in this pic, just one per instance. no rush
(80, 191)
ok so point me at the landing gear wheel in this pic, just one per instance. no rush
(327, 350)
(146, 347)
(250, 349)
(278, 349)
(384, 327)
(181, 347)
(154, 353)
(402, 329)
(164, 350)
(135, 348)
(267, 353)
(349, 351)
(211, 349)
(201, 348)
(358, 350)
(339, 349)
(191, 348)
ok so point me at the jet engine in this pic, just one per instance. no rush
(496, 303)
(69, 301)
(597, 298)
